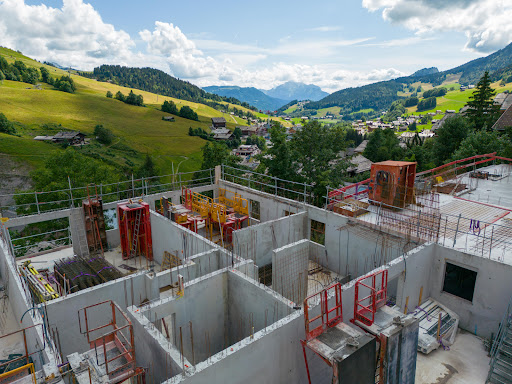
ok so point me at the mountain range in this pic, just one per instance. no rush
(250, 95)
(271, 99)
(376, 96)
(425, 71)
(380, 95)
(292, 90)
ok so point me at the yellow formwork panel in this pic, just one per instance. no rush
(241, 205)
(201, 204)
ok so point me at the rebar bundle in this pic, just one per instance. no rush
(84, 273)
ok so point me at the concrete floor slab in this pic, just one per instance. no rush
(320, 277)
(47, 260)
(115, 258)
(465, 362)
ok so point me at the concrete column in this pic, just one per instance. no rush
(217, 173)
(78, 235)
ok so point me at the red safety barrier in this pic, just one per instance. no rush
(328, 317)
(366, 307)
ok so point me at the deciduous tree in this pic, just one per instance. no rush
(169, 107)
(383, 145)
(450, 135)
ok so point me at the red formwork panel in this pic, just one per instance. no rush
(135, 241)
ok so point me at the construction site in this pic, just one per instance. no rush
(405, 277)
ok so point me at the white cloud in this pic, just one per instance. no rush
(325, 28)
(185, 60)
(486, 23)
(76, 35)
(399, 42)
(73, 35)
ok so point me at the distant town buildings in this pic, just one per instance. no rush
(258, 129)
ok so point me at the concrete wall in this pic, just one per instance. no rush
(205, 305)
(258, 241)
(152, 350)
(414, 277)
(248, 268)
(113, 239)
(412, 271)
(274, 356)
(353, 247)
(318, 253)
(290, 270)
(492, 293)
(197, 266)
(171, 237)
(251, 307)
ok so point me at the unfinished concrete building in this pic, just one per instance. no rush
(236, 278)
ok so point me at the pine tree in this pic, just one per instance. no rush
(482, 111)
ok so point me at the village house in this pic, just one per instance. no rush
(218, 122)
(361, 147)
(247, 150)
(222, 134)
(504, 100)
(505, 120)
(249, 130)
(359, 164)
(69, 137)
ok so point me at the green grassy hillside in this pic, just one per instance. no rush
(139, 128)
(456, 99)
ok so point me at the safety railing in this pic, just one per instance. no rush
(24, 245)
(301, 192)
(328, 316)
(119, 337)
(35, 202)
(25, 357)
(376, 285)
(502, 331)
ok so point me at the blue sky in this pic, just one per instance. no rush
(334, 44)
